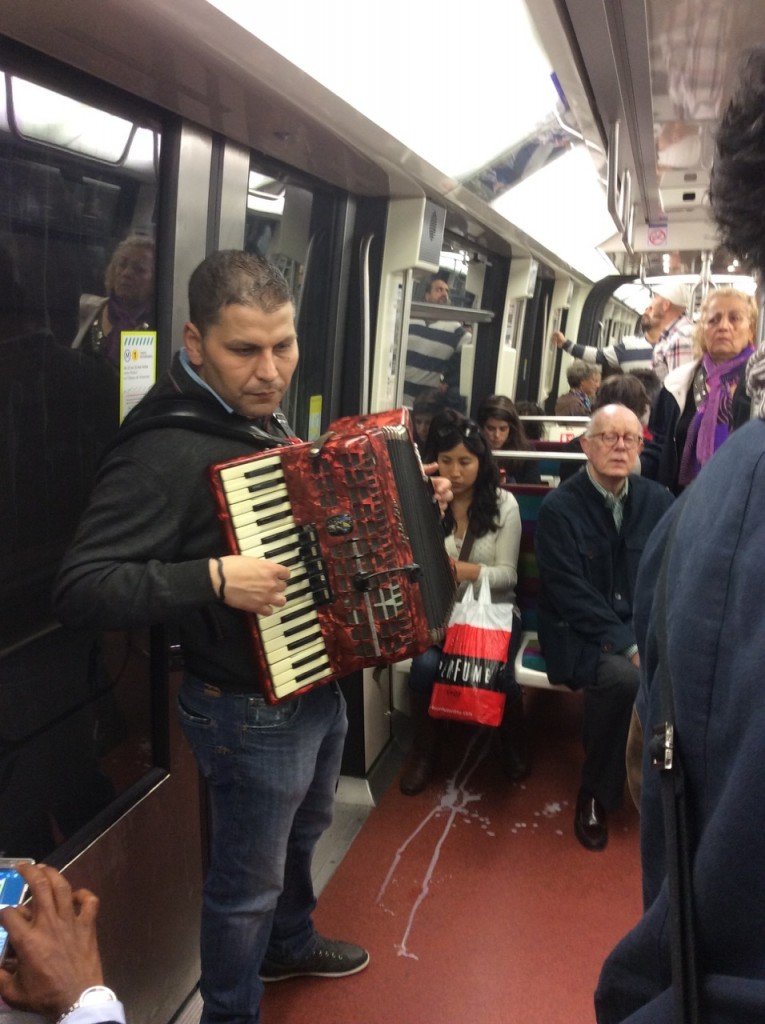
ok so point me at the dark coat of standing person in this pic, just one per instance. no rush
(715, 638)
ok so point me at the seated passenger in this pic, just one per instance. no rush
(590, 535)
(620, 389)
(502, 430)
(650, 381)
(701, 402)
(128, 304)
(487, 518)
(425, 406)
(534, 431)
(584, 380)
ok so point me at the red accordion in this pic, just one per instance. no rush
(355, 522)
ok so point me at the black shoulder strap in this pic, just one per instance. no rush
(467, 545)
(666, 757)
(188, 414)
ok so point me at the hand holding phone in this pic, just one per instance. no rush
(54, 939)
(13, 889)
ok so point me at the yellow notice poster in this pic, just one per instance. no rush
(138, 367)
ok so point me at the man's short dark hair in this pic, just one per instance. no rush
(232, 277)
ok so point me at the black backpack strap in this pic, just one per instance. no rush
(665, 756)
(202, 418)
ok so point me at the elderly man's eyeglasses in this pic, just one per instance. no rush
(610, 440)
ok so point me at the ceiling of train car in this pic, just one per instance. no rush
(514, 101)
(477, 98)
(664, 69)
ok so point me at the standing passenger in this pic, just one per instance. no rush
(667, 313)
(715, 638)
(149, 549)
(432, 347)
(628, 354)
(701, 402)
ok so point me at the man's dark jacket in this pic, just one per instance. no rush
(142, 549)
(588, 572)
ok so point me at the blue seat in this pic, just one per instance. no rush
(530, 669)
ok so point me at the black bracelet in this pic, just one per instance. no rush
(222, 587)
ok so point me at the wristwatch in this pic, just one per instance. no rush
(96, 995)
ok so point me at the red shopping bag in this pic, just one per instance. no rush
(474, 653)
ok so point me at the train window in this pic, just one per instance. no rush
(78, 198)
(278, 224)
(290, 221)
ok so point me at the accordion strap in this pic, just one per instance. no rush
(201, 418)
(665, 757)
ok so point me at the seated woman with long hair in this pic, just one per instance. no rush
(487, 519)
(503, 431)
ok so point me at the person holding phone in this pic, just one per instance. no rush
(55, 966)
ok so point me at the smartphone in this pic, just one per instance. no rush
(13, 889)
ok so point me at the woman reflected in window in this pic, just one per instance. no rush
(128, 305)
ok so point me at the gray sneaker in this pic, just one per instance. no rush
(329, 958)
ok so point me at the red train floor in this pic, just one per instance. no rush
(475, 900)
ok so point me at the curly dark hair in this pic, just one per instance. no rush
(449, 429)
(737, 188)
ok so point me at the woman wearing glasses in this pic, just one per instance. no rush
(483, 533)
(703, 401)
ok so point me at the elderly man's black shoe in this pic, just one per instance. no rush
(590, 822)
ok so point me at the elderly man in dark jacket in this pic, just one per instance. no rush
(590, 536)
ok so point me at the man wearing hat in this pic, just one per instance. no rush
(667, 314)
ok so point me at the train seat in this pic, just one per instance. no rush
(530, 669)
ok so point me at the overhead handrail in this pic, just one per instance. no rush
(555, 419)
(539, 456)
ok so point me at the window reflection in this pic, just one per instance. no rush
(277, 226)
(75, 723)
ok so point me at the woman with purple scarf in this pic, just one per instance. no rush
(703, 401)
(128, 305)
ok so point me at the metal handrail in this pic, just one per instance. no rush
(537, 456)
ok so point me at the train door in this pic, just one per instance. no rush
(437, 335)
(93, 777)
(533, 339)
(322, 241)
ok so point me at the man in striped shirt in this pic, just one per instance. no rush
(667, 342)
(631, 353)
(432, 346)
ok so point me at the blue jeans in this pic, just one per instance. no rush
(271, 774)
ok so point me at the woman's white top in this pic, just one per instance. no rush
(497, 552)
